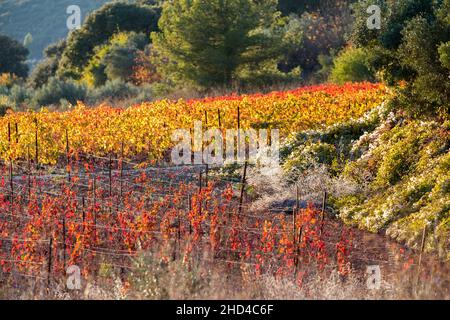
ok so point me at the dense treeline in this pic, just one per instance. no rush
(146, 49)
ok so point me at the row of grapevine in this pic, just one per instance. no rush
(147, 128)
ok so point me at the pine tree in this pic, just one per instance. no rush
(207, 42)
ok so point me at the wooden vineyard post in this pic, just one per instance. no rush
(11, 185)
(64, 242)
(243, 182)
(49, 262)
(17, 133)
(189, 210)
(297, 250)
(110, 183)
(29, 173)
(36, 144)
(121, 170)
(239, 130)
(294, 221)
(206, 165)
(324, 204)
(200, 188)
(93, 193)
(94, 210)
(179, 234)
(83, 215)
(83, 212)
(296, 209)
(422, 248)
(68, 156)
(294, 228)
(110, 175)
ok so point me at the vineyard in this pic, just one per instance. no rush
(102, 217)
(145, 130)
(104, 214)
(88, 188)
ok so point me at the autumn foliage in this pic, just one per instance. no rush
(146, 129)
(104, 220)
(103, 204)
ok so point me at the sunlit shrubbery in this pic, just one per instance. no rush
(399, 168)
(407, 178)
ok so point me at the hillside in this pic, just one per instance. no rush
(97, 181)
(45, 20)
(225, 149)
(385, 173)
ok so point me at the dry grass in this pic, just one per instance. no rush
(209, 280)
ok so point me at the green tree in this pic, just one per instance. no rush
(209, 42)
(120, 62)
(324, 25)
(47, 68)
(408, 48)
(12, 57)
(115, 60)
(99, 27)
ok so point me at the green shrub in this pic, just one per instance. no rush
(405, 174)
(12, 57)
(117, 90)
(444, 54)
(20, 95)
(4, 90)
(396, 162)
(16, 97)
(331, 146)
(5, 105)
(326, 65)
(47, 68)
(351, 66)
(146, 94)
(56, 90)
(397, 170)
(207, 43)
(410, 49)
(323, 26)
